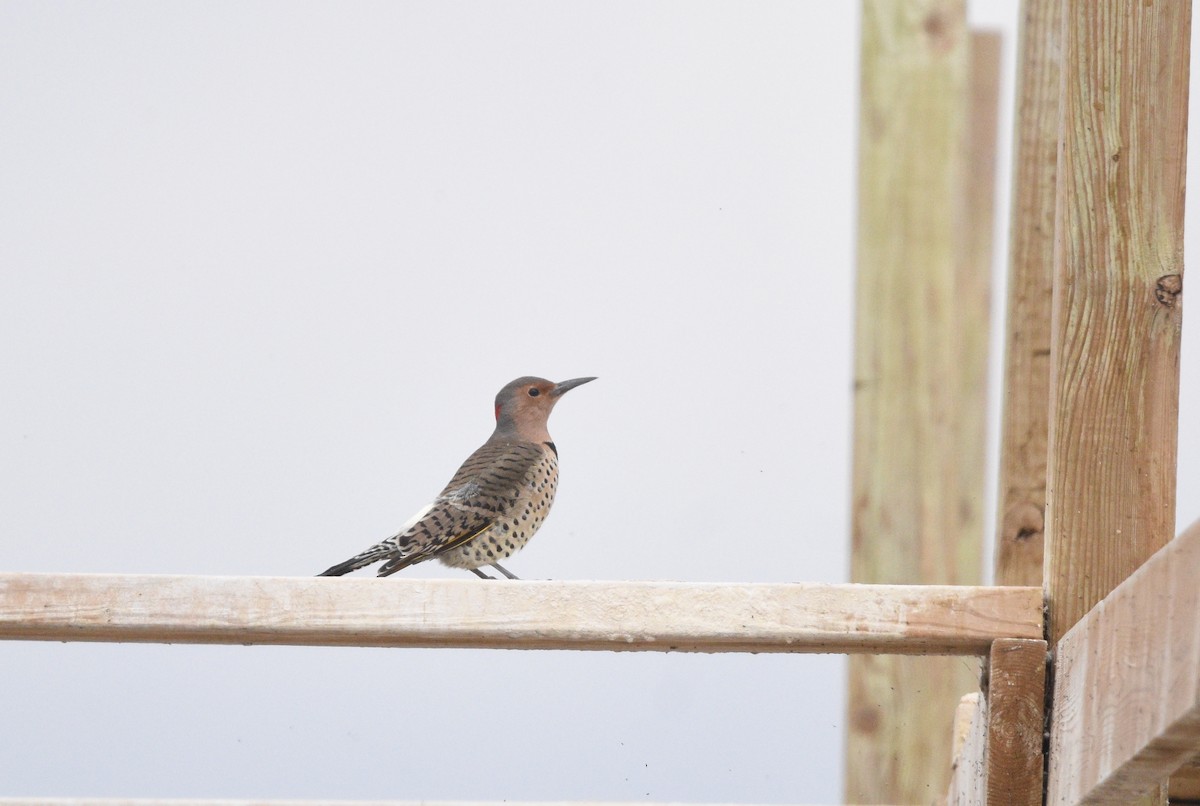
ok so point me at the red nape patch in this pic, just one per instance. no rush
(497, 412)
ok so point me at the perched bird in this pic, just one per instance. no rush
(497, 499)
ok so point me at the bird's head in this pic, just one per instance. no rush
(524, 406)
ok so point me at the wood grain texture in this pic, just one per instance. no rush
(963, 715)
(645, 616)
(968, 771)
(1185, 782)
(918, 444)
(1026, 396)
(998, 735)
(1016, 704)
(261, 802)
(1126, 709)
(1117, 303)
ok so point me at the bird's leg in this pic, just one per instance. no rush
(504, 570)
(480, 574)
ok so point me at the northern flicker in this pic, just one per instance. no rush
(497, 499)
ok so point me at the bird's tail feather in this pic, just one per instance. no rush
(373, 554)
(396, 563)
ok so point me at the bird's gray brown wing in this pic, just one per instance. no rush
(487, 485)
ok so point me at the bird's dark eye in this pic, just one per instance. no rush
(533, 391)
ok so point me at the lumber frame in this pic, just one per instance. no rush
(1016, 711)
(1021, 503)
(998, 734)
(1126, 710)
(1185, 782)
(642, 616)
(321, 802)
(925, 181)
(1117, 307)
(968, 768)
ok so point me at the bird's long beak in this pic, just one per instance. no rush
(566, 386)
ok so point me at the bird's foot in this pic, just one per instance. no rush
(504, 571)
(480, 574)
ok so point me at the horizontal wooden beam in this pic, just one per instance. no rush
(1126, 710)
(260, 802)
(646, 616)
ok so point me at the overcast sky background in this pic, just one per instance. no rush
(263, 267)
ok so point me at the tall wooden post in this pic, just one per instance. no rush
(1114, 361)
(1026, 397)
(920, 359)
(1118, 269)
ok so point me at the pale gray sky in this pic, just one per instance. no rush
(263, 267)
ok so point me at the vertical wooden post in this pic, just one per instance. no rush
(1117, 304)
(1016, 703)
(998, 738)
(974, 273)
(1114, 362)
(919, 370)
(1026, 401)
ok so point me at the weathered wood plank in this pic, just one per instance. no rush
(1016, 706)
(974, 279)
(998, 735)
(261, 802)
(968, 770)
(1126, 710)
(1026, 396)
(963, 715)
(1117, 301)
(645, 616)
(920, 354)
(1185, 782)
(1117, 297)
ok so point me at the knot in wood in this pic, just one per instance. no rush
(865, 719)
(941, 26)
(1168, 288)
(1023, 522)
